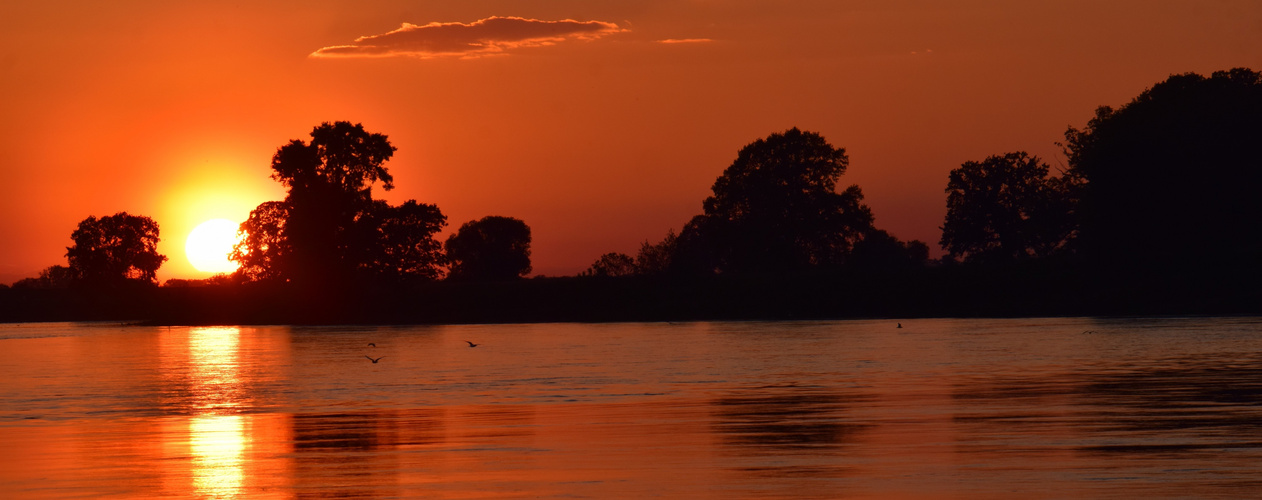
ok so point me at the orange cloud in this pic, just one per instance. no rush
(685, 40)
(489, 36)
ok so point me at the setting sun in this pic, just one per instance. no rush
(208, 246)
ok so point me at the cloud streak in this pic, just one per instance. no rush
(670, 41)
(491, 36)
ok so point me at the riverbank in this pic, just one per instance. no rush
(957, 291)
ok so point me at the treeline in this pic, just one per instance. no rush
(1156, 212)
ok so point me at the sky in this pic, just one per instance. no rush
(601, 124)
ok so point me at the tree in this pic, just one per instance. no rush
(329, 230)
(114, 249)
(776, 209)
(51, 277)
(880, 250)
(490, 249)
(264, 249)
(657, 258)
(1005, 208)
(399, 241)
(612, 265)
(1173, 177)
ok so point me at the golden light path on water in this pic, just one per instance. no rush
(216, 436)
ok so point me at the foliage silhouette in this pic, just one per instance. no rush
(776, 209)
(657, 258)
(264, 250)
(329, 231)
(399, 241)
(1005, 208)
(612, 265)
(51, 277)
(879, 250)
(493, 248)
(115, 249)
(1173, 177)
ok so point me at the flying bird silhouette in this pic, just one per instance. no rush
(471, 344)
(370, 344)
(374, 361)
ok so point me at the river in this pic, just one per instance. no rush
(936, 408)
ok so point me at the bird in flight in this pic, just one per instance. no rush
(471, 344)
(370, 344)
(374, 361)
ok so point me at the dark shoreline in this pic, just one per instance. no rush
(957, 291)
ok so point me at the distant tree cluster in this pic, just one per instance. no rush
(1006, 208)
(1167, 183)
(108, 252)
(775, 210)
(329, 231)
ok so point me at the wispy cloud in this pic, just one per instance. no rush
(685, 40)
(490, 36)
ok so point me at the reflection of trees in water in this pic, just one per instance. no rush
(375, 453)
(1207, 402)
(784, 418)
(357, 454)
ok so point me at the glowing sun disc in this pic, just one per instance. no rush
(209, 244)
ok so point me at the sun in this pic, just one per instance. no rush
(209, 244)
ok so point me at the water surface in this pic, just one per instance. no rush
(1051, 408)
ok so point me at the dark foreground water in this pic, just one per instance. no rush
(1052, 408)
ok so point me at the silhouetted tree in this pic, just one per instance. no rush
(611, 265)
(1174, 176)
(330, 183)
(880, 250)
(263, 250)
(114, 249)
(1006, 208)
(49, 278)
(399, 241)
(329, 230)
(656, 258)
(489, 249)
(776, 208)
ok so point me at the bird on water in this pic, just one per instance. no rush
(374, 361)
(471, 344)
(900, 325)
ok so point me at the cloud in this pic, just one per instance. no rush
(685, 40)
(490, 36)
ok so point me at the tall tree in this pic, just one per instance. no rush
(329, 230)
(493, 248)
(1174, 176)
(777, 208)
(115, 248)
(1006, 208)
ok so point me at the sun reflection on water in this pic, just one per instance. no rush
(214, 370)
(216, 436)
(217, 444)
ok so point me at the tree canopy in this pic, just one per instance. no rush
(1173, 176)
(1006, 208)
(493, 248)
(612, 265)
(776, 208)
(329, 230)
(115, 248)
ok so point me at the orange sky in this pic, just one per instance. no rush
(599, 135)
